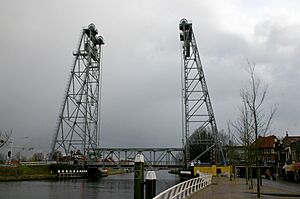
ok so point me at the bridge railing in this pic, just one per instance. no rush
(168, 164)
(186, 188)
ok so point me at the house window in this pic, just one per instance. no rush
(293, 155)
(287, 155)
(267, 151)
(272, 151)
(268, 159)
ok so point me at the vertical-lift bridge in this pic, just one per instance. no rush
(78, 124)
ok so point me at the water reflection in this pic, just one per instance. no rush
(116, 186)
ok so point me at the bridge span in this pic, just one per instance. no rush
(162, 158)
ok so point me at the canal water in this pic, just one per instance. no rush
(112, 187)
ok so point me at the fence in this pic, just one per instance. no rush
(186, 188)
(38, 163)
(72, 173)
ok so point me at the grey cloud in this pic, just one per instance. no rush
(141, 67)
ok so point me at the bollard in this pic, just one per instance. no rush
(139, 177)
(150, 184)
(192, 169)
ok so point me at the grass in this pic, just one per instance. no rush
(24, 172)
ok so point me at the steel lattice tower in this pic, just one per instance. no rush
(78, 125)
(197, 107)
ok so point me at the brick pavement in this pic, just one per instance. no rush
(223, 188)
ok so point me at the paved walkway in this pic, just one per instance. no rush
(223, 188)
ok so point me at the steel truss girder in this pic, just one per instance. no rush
(124, 157)
(77, 127)
(197, 107)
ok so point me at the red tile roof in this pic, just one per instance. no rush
(266, 142)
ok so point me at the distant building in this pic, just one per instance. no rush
(291, 146)
(291, 168)
(294, 152)
(268, 150)
(275, 156)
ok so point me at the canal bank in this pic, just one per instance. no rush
(43, 172)
(25, 172)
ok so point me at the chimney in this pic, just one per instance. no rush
(286, 134)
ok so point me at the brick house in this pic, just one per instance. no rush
(291, 168)
(268, 151)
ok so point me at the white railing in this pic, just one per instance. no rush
(39, 163)
(186, 188)
(72, 173)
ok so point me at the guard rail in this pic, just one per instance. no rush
(186, 188)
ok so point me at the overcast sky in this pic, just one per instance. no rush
(142, 61)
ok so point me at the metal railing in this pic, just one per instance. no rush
(72, 173)
(38, 163)
(186, 188)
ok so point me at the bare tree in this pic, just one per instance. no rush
(37, 157)
(230, 150)
(253, 97)
(242, 127)
(57, 155)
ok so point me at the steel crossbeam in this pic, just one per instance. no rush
(124, 157)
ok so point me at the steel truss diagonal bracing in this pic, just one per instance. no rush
(198, 113)
(124, 157)
(78, 124)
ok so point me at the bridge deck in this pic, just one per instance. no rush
(124, 157)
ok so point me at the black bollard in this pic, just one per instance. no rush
(192, 169)
(150, 184)
(139, 177)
